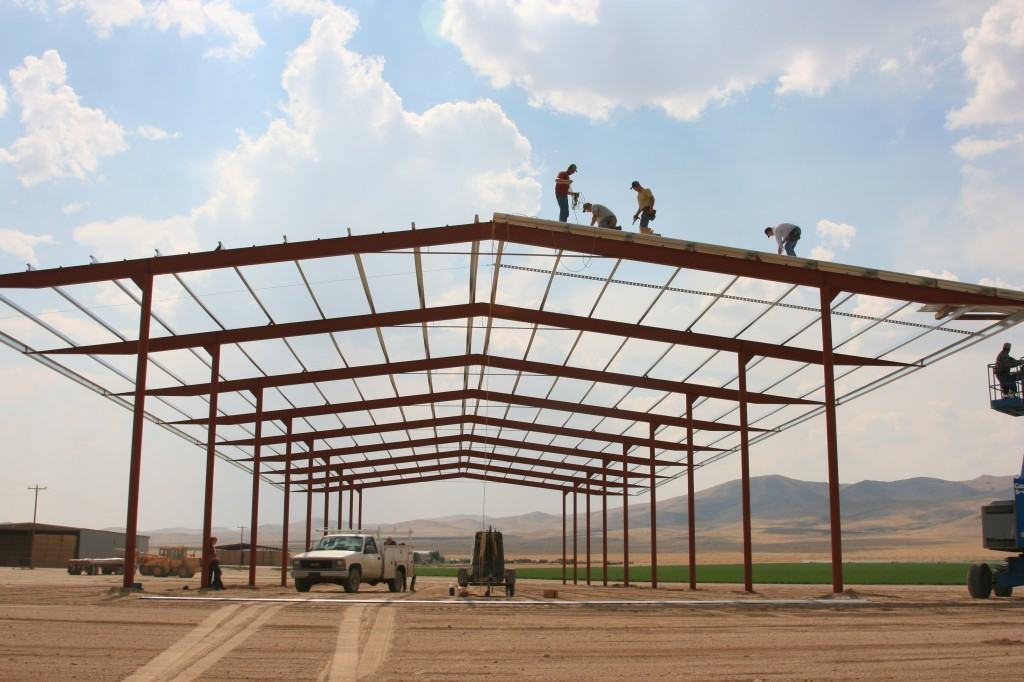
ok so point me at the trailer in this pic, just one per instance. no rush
(488, 565)
(109, 566)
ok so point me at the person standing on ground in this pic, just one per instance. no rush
(786, 235)
(215, 573)
(1004, 371)
(563, 189)
(644, 206)
(602, 216)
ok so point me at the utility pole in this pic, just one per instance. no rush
(35, 508)
(241, 540)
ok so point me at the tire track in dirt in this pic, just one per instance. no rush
(377, 642)
(343, 664)
(203, 646)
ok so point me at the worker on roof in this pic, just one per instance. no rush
(644, 206)
(1004, 371)
(563, 190)
(602, 216)
(786, 236)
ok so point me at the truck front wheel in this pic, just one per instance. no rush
(355, 576)
(302, 585)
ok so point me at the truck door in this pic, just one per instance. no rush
(373, 568)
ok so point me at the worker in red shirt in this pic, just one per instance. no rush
(563, 189)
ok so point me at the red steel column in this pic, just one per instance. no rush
(654, 514)
(564, 493)
(625, 516)
(287, 506)
(138, 420)
(690, 505)
(351, 505)
(587, 525)
(211, 454)
(255, 520)
(341, 496)
(309, 495)
(327, 493)
(830, 435)
(604, 522)
(360, 509)
(575, 533)
(748, 568)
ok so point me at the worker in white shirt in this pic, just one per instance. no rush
(786, 236)
(601, 216)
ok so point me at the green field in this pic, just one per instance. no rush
(803, 574)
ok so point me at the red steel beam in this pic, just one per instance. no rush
(831, 441)
(575, 533)
(211, 454)
(472, 476)
(285, 515)
(470, 310)
(476, 359)
(449, 454)
(691, 523)
(654, 517)
(351, 501)
(511, 471)
(563, 537)
(604, 525)
(145, 283)
(255, 520)
(625, 521)
(360, 509)
(578, 241)
(470, 438)
(748, 568)
(309, 499)
(587, 531)
(467, 394)
(504, 424)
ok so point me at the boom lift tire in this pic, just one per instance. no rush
(157, 571)
(979, 580)
(996, 589)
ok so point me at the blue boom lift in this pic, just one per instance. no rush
(1002, 521)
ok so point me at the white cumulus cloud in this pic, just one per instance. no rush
(994, 58)
(3, 101)
(344, 152)
(833, 236)
(589, 57)
(21, 245)
(972, 148)
(188, 17)
(61, 137)
(155, 134)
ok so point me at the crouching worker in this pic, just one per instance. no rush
(786, 236)
(601, 216)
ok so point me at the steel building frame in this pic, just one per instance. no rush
(557, 467)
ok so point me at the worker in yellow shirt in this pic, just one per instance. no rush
(645, 206)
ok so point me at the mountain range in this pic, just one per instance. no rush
(916, 518)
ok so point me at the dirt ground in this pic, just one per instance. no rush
(57, 626)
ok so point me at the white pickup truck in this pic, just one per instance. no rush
(351, 558)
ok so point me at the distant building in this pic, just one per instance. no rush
(237, 554)
(54, 545)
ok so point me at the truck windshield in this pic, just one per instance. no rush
(348, 543)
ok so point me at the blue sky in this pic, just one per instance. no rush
(891, 133)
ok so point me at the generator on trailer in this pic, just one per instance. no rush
(1002, 521)
(488, 564)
